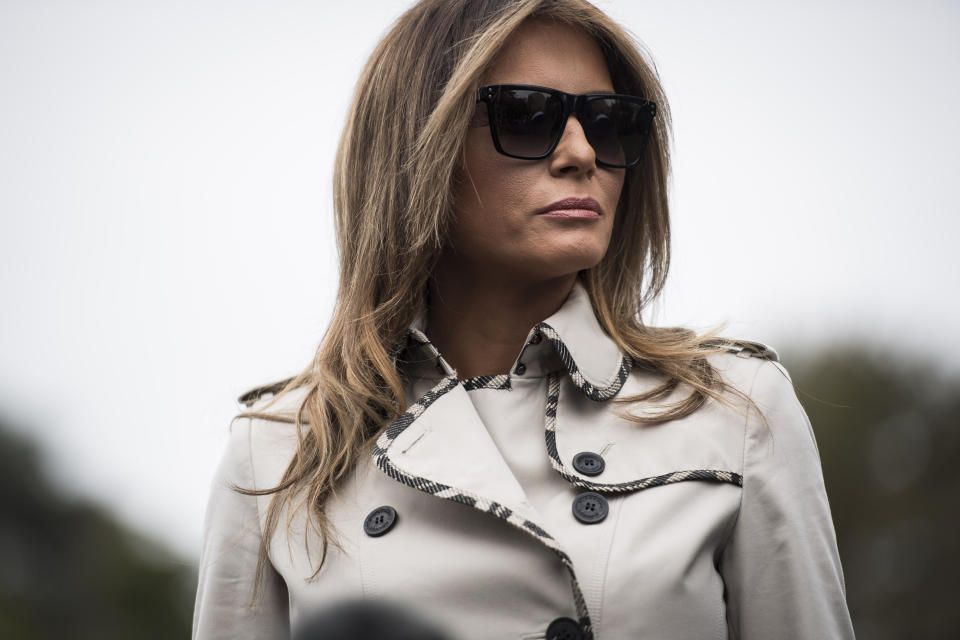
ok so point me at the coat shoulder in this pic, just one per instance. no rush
(761, 383)
(739, 362)
(270, 414)
(250, 397)
(745, 348)
(277, 401)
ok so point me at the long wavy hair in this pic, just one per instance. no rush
(400, 151)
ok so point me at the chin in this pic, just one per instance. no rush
(558, 264)
(582, 254)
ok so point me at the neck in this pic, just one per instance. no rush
(479, 323)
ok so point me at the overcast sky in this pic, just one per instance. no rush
(165, 172)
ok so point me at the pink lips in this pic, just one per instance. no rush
(572, 208)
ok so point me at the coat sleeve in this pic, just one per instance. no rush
(225, 607)
(780, 566)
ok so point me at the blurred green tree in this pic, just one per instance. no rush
(887, 431)
(69, 570)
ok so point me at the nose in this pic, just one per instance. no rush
(573, 151)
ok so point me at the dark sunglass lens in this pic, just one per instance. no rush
(617, 129)
(527, 121)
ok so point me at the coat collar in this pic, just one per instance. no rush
(571, 339)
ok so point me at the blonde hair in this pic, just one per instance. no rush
(399, 152)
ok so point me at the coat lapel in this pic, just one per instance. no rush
(441, 446)
(638, 456)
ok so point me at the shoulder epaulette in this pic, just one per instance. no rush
(249, 398)
(747, 349)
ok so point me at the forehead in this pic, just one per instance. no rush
(551, 54)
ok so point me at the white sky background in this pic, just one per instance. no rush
(166, 237)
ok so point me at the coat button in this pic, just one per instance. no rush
(590, 507)
(564, 629)
(589, 463)
(521, 369)
(380, 521)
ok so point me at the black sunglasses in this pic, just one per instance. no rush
(527, 121)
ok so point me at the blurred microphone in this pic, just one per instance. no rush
(365, 620)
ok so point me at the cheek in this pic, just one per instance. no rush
(613, 188)
(611, 184)
(491, 191)
(497, 177)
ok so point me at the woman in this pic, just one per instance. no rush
(489, 436)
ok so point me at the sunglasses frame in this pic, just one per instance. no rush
(570, 104)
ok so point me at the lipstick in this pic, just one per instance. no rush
(584, 208)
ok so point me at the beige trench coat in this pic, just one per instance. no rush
(713, 526)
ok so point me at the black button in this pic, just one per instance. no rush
(521, 369)
(564, 629)
(537, 337)
(590, 507)
(380, 521)
(589, 463)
